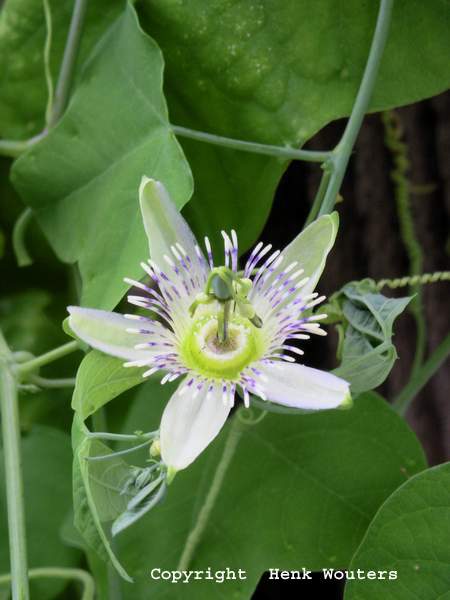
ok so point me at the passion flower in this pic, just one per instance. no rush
(222, 331)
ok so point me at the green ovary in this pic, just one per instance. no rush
(202, 352)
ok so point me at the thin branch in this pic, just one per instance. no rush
(80, 575)
(112, 455)
(47, 358)
(47, 52)
(269, 150)
(341, 153)
(69, 60)
(422, 376)
(204, 513)
(44, 382)
(121, 437)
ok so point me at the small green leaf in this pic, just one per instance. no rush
(368, 353)
(409, 536)
(100, 378)
(82, 180)
(87, 518)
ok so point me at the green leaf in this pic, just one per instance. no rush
(368, 353)
(87, 518)
(277, 72)
(298, 491)
(100, 378)
(46, 459)
(83, 178)
(23, 91)
(409, 535)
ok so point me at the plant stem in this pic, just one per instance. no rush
(46, 358)
(68, 62)
(270, 150)
(318, 197)
(61, 573)
(423, 374)
(14, 484)
(341, 153)
(204, 513)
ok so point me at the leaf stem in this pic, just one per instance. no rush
(80, 575)
(121, 437)
(14, 148)
(68, 62)
(44, 382)
(268, 149)
(18, 238)
(204, 513)
(47, 52)
(119, 452)
(421, 377)
(47, 358)
(341, 153)
(14, 485)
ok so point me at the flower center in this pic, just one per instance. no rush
(203, 352)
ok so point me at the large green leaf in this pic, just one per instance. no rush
(46, 459)
(23, 92)
(83, 179)
(277, 72)
(298, 491)
(409, 536)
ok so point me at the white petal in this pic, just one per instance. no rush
(107, 331)
(190, 423)
(303, 387)
(165, 227)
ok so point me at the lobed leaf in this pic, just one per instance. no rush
(82, 180)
